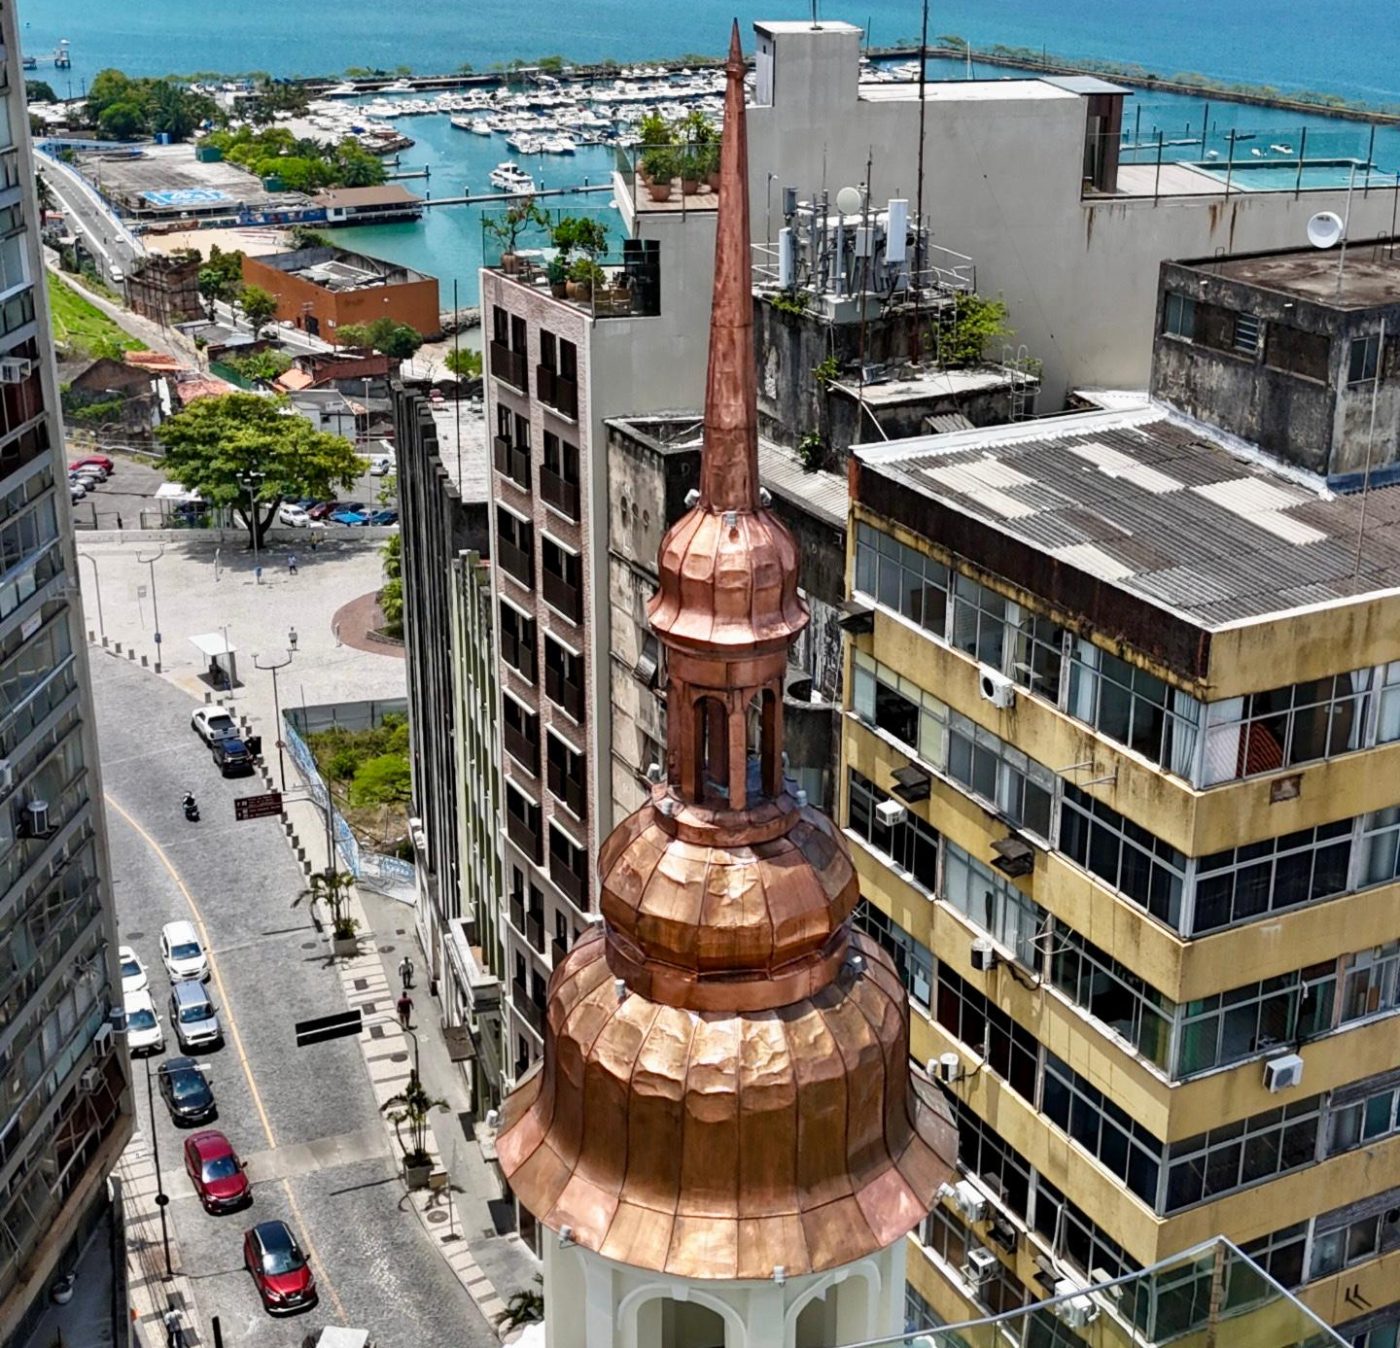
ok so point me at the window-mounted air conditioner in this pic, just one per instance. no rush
(980, 1267)
(996, 688)
(1076, 1308)
(969, 1200)
(890, 813)
(1283, 1073)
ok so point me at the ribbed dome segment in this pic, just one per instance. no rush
(713, 1145)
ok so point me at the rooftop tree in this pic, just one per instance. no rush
(217, 446)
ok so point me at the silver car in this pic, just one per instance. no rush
(193, 1016)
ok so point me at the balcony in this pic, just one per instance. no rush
(520, 747)
(510, 366)
(557, 950)
(559, 594)
(557, 392)
(531, 1014)
(569, 789)
(567, 694)
(534, 931)
(512, 461)
(527, 839)
(515, 562)
(517, 912)
(571, 884)
(667, 179)
(563, 496)
(520, 656)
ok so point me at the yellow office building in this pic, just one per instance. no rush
(1121, 768)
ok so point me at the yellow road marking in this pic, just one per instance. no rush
(232, 1023)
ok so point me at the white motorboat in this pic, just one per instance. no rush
(510, 177)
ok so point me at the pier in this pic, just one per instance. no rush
(482, 198)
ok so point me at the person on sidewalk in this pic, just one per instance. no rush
(292, 564)
(405, 1005)
(406, 972)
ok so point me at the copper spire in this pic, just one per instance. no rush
(729, 469)
(725, 1086)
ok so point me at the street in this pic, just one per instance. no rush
(111, 241)
(304, 1120)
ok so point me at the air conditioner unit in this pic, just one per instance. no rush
(1076, 1308)
(969, 1200)
(91, 1080)
(102, 1040)
(1283, 1073)
(1100, 1278)
(996, 688)
(950, 1067)
(984, 955)
(890, 813)
(15, 370)
(981, 1265)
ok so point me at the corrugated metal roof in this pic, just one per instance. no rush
(1144, 499)
(824, 494)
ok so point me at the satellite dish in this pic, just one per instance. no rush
(849, 201)
(1325, 229)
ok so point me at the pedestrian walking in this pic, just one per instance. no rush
(335, 632)
(292, 564)
(314, 540)
(292, 637)
(405, 1005)
(406, 972)
(257, 575)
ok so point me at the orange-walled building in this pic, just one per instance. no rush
(324, 289)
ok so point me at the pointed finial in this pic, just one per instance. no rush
(729, 463)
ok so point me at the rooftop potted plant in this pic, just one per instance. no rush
(557, 272)
(585, 232)
(409, 1112)
(584, 276)
(508, 225)
(655, 132)
(692, 169)
(661, 166)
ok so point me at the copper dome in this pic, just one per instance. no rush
(720, 1145)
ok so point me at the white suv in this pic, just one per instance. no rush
(293, 515)
(181, 952)
(143, 1032)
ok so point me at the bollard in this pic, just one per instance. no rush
(143, 662)
(131, 654)
(116, 648)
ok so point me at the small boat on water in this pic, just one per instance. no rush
(510, 177)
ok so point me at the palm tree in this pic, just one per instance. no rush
(409, 1109)
(332, 889)
(522, 1308)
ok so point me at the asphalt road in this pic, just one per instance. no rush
(305, 1120)
(108, 242)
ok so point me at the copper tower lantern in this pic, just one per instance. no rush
(725, 1088)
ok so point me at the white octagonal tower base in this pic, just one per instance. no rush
(593, 1302)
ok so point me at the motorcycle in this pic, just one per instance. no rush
(191, 807)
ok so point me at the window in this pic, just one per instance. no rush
(1355, 1233)
(517, 637)
(510, 449)
(1280, 1254)
(568, 866)
(1262, 732)
(901, 708)
(1179, 316)
(996, 1163)
(912, 845)
(1037, 653)
(1264, 877)
(1125, 856)
(1380, 846)
(979, 621)
(1388, 713)
(990, 901)
(1112, 994)
(500, 325)
(912, 958)
(559, 476)
(1238, 1154)
(563, 578)
(520, 731)
(1106, 1132)
(515, 544)
(523, 823)
(557, 374)
(1133, 707)
(568, 778)
(1361, 1115)
(1011, 1051)
(1015, 785)
(563, 678)
(1073, 1236)
(902, 579)
(1371, 983)
(1247, 327)
(1362, 359)
(1231, 1026)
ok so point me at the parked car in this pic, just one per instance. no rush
(187, 1095)
(216, 1172)
(382, 517)
(181, 952)
(133, 971)
(76, 491)
(279, 1268)
(323, 509)
(232, 756)
(143, 1032)
(89, 477)
(192, 1014)
(101, 461)
(293, 515)
(349, 517)
(213, 723)
(381, 465)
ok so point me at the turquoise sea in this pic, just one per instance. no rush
(1346, 48)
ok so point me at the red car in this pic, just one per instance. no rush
(279, 1268)
(93, 461)
(216, 1172)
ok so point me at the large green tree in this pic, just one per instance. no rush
(388, 336)
(215, 446)
(221, 277)
(258, 307)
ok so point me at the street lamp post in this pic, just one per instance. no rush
(252, 481)
(162, 1200)
(272, 668)
(155, 601)
(97, 589)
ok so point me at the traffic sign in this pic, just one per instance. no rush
(338, 1026)
(257, 807)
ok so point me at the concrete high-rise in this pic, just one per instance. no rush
(65, 1102)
